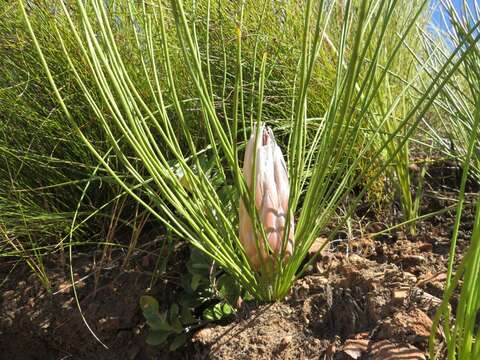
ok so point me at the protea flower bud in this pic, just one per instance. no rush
(271, 198)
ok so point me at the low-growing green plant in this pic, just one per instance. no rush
(207, 294)
(166, 324)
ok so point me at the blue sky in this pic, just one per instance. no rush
(437, 17)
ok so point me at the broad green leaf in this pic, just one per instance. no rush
(228, 288)
(187, 316)
(159, 324)
(174, 310)
(208, 314)
(218, 311)
(157, 337)
(196, 278)
(227, 309)
(149, 302)
(149, 306)
(178, 341)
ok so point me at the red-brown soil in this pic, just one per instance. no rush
(367, 297)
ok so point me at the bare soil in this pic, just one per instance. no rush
(368, 297)
(37, 324)
(359, 309)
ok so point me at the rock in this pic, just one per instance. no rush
(355, 348)
(317, 245)
(387, 350)
(429, 278)
(286, 340)
(425, 246)
(410, 277)
(399, 295)
(412, 326)
(413, 259)
(425, 300)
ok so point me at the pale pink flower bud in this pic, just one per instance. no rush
(271, 198)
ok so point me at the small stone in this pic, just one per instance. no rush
(9, 294)
(399, 295)
(413, 259)
(109, 323)
(317, 245)
(45, 324)
(409, 276)
(355, 348)
(413, 168)
(414, 325)
(386, 349)
(425, 246)
(286, 341)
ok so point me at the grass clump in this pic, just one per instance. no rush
(48, 177)
(153, 135)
